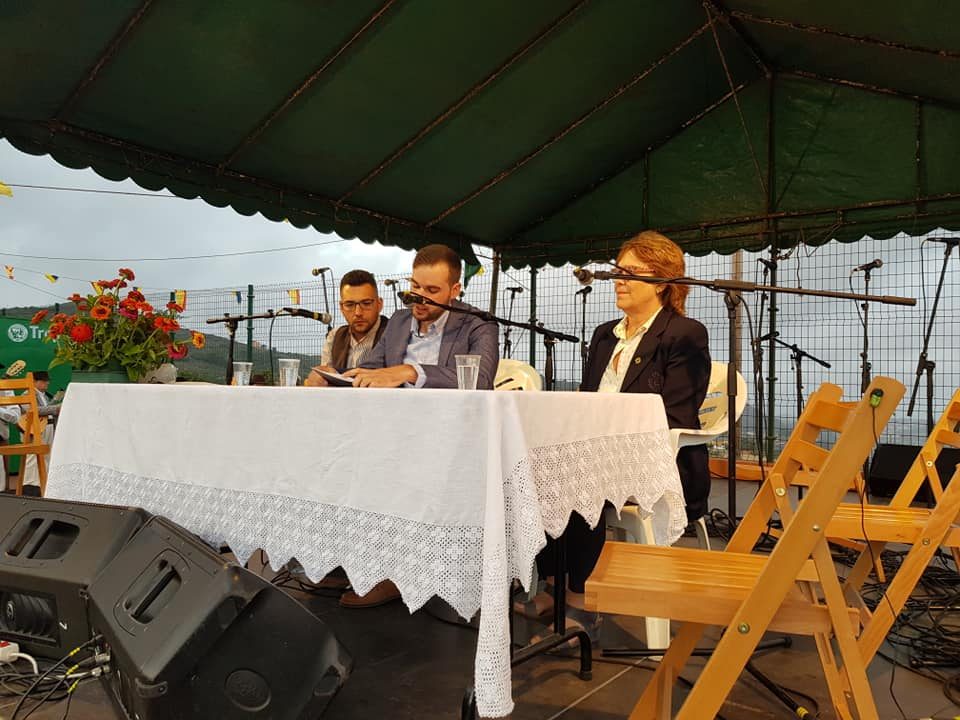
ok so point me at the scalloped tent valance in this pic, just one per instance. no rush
(547, 130)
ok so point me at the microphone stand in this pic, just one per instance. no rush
(326, 303)
(232, 322)
(924, 364)
(507, 342)
(550, 337)
(732, 290)
(864, 361)
(584, 345)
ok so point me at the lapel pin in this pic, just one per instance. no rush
(637, 360)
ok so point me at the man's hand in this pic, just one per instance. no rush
(315, 379)
(384, 377)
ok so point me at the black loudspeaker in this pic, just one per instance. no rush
(50, 551)
(194, 636)
(891, 463)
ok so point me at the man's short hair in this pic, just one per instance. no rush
(356, 278)
(435, 254)
(41, 375)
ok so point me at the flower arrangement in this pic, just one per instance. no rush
(108, 331)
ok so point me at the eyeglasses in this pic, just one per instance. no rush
(349, 305)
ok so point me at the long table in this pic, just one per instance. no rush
(446, 493)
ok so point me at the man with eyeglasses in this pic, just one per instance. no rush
(361, 305)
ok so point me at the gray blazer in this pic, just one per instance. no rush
(463, 335)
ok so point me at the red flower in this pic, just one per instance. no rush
(56, 330)
(135, 296)
(82, 305)
(126, 274)
(198, 339)
(176, 352)
(81, 333)
(173, 306)
(59, 317)
(108, 284)
(165, 324)
(76, 297)
(100, 311)
(38, 317)
(106, 300)
(144, 307)
(128, 314)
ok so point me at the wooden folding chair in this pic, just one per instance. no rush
(751, 593)
(897, 521)
(925, 530)
(31, 433)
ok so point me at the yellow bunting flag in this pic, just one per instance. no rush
(294, 294)
(5, 190)
(9, 270)
(51, 278)
(96, 287)
(181, 298)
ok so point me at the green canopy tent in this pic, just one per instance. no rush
(547, 130)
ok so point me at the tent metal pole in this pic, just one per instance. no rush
(495, 282)
(533, 316)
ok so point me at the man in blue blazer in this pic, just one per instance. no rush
(420, 345)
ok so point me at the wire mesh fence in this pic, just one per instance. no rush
(830, 330)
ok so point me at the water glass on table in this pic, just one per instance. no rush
(468, 370)
(242, 372)
(289, 371)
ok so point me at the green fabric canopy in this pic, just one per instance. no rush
(549, 130)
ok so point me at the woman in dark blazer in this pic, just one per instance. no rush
(653, 348)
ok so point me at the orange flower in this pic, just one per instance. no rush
(144, 307)
(81, 333)
(59, 317)
(173, 306)
(198, 339)
(108, 284)
(176, 352)
(76, 297)
(165, 324)
(135, 296)
(38, 317)
(126, 274)
(56, 330)
(107, 300)
(100, 311)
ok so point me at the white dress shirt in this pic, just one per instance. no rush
(612, 379)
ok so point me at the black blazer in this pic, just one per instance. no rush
(672, 360)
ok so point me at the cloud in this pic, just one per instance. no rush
(88, 225)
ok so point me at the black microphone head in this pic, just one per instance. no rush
(318, 271)
(515, 289)
(583, 275)
(878, 263)
(410, 298)
(390, 282)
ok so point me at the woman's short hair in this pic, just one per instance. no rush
(665, 259)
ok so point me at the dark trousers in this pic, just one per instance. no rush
(582, 551)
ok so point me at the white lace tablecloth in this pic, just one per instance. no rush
(445, 493)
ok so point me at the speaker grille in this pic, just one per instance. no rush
(29, 617)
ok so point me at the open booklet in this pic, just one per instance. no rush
(336, 379)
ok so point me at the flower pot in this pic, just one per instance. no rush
(100, 376)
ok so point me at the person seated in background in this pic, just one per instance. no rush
(360, 302)
(9, 415)
(49, 411)
(653, 348)
(420, 345)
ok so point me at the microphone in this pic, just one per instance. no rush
(319, 271)
(585, 291)
(390, 282)
(867, 267)
(515, 289)
(768, 264)
(583, 275)
(768, 336)
(411, 298)
(318, 316)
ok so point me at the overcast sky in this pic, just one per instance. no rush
(89, 225)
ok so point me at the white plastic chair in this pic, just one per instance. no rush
(713, 423)
(516, 375)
